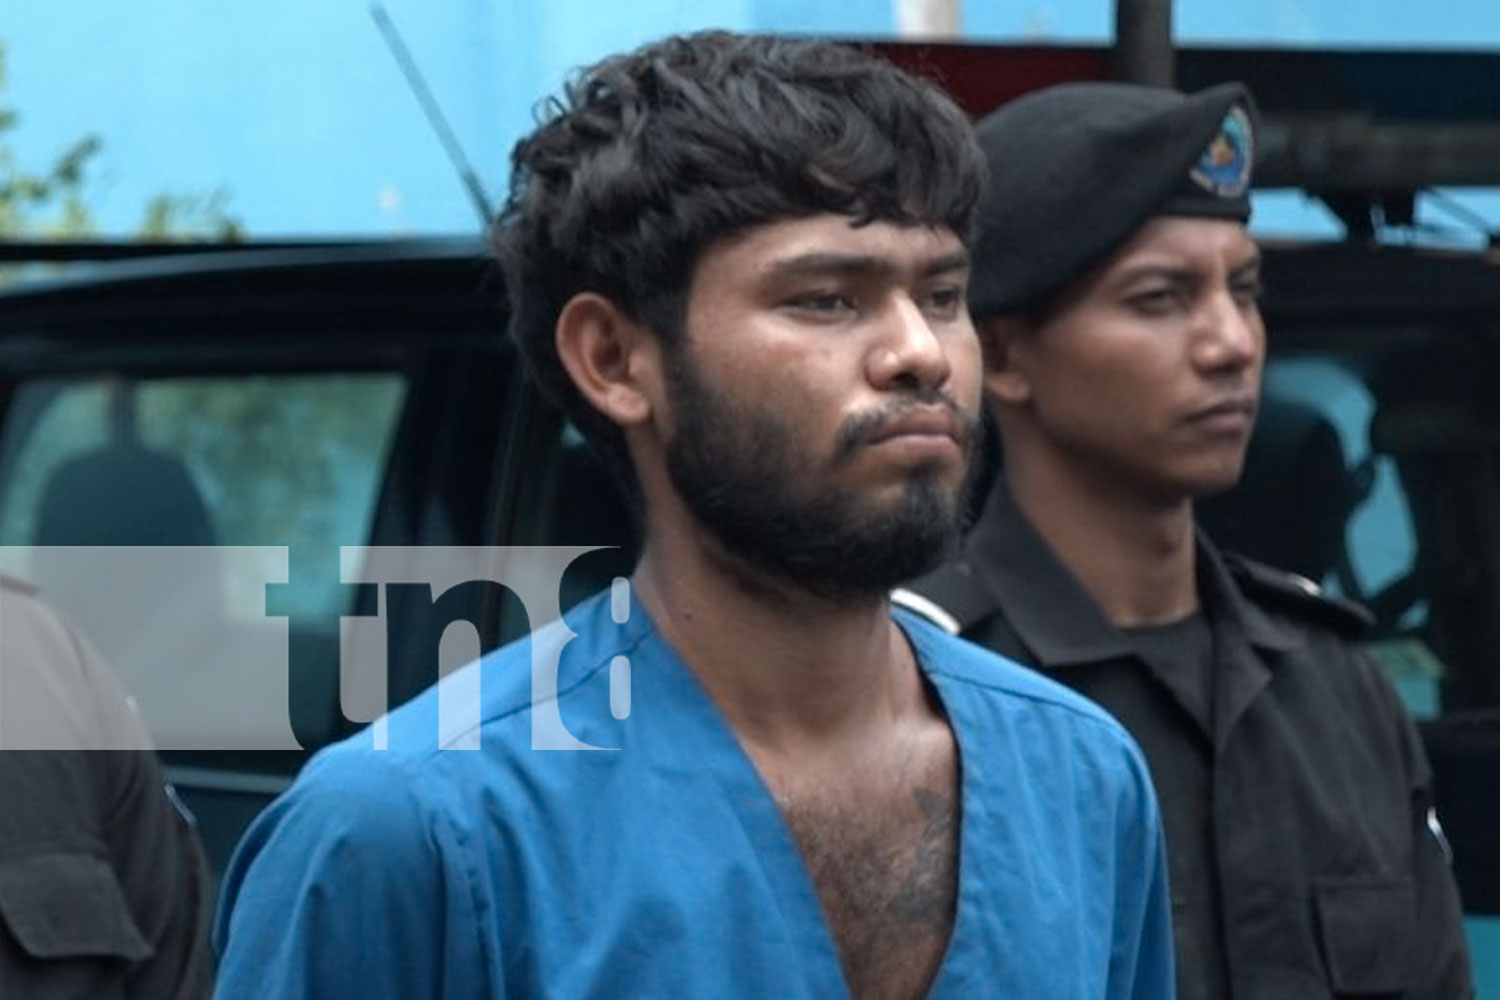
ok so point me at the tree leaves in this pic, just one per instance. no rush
(52, 203)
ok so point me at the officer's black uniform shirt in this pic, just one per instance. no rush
(104, 893)
(1180, 655)
(1295, 807)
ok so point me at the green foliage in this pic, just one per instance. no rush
(51, 203)
(179, 216)
(45, 204)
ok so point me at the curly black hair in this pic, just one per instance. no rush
(650, 156)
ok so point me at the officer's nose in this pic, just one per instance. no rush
(1230, 334)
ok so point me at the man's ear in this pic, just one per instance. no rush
(1002, 339)
(611, 358)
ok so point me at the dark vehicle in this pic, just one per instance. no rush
(365, 396)
(277, 405)
(297, 415)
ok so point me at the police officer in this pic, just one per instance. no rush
(1115, 289)
(103, 888)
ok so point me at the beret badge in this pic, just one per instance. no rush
(1224, 167)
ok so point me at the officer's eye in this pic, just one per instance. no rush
(945, 300)
(1156, 300)
(1247, 291)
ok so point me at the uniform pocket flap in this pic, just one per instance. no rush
(1367, 927)
(68, 906)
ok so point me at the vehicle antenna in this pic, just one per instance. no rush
(434, 113)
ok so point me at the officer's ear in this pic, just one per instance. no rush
(1002, 338)
(614, 360)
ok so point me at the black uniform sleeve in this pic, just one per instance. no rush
(160, 867)
(1442, 969)
(154, 850)
(103, 886)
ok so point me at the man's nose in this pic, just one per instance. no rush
(909, 353)
(1230, 333)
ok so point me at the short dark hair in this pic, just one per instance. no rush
(650, 156)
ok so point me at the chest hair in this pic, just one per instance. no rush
(883, 856)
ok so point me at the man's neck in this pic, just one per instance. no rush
(1136, 558)
(793, 672)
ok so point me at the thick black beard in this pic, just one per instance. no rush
(741, 475)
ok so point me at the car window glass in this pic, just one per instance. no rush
(279, 459)
(159, 512)
(1380, 542)
(1373, 475)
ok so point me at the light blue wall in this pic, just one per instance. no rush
(1394, 23)
(824, 17)
(296, 108)
(1040, 20)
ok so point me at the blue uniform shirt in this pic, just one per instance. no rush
(459, 862)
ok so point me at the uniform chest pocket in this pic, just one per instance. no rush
(65, 928)
(1366, 925)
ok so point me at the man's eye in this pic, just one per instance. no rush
(1248, 292)
(946, 301)
(822, 302)
(1154, 300)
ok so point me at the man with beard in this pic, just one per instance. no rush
(1123, 354)
(739, 265)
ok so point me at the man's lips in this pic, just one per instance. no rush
(1232, 413)
(924, 423)
(932, 428)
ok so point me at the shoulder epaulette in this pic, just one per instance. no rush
(949, 597)
(1296, 594)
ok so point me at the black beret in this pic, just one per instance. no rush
(1076, 169)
